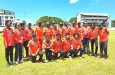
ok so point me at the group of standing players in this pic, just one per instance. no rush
(53, 41)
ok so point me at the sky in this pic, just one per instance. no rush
(31, 10)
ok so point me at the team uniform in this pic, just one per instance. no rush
(86, 39)
(8, 37)
(94, 40)
(66, 48)
(29, 31)
(77, 47)
(73, 30)
(40, 36)
(48, 50)
(104, 42)
(24, 40)
(34, 47)
(18, 45)
(64, 31)
(56, 31)
(48, 33)
(57, 45)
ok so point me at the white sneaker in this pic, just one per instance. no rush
(46, 61)
(70, 57)
(16, 62)
(81, 57)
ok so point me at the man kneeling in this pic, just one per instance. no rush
(34, 49)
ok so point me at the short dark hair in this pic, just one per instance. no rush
(29, 24)
(58, 34)
(33, 35)
(6, 22)
(22, 24)
(75, 34)
(67, 34)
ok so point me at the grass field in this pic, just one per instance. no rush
(87, 66)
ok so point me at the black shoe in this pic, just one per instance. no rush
(96, 54)
(101, 56)
(11, 63)
(7, 64)
(92, 54)
(106, 56)
(20, 62)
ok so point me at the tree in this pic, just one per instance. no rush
(51, 20)
(113, 23)
(74, 19)
(24, 22)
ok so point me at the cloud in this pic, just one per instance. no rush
(73, 1)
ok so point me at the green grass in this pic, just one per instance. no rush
(87, 66)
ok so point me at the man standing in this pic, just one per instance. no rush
(57, 44)
(40, 34)
(18, 43)
(8, 42)
(94, 40)
(24, 38)
(30, 32)
(104, 43)
(34, 49)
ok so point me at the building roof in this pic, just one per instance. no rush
(96, 14)
(2, 11)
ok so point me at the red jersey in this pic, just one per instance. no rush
(48, 45)
(94, 33)
(81, 32)
(76, 43)
(24, 35)
(48, 32)
(39, 32)
(64, 31)
(87, 31)
(29, 33)
(33, 47)
(104, 36)
(8, 37)
(72, 31)
(18, 36)
(66, 44)
(58, 31)
(57, 45)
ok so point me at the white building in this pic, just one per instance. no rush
(92, 18)
(6, 15)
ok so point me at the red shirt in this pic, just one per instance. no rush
(39, 32)
(29, 33)
(48, 45)
(72, 31)
(24, 35)
(18, 36)
(8, 37)
(66, 44)
(64, 31)
(103, 36)
(87, 31)
(94, 33)
(58, 31)
(81, 32)
(57, 45)
(76, 43)
(51, 28)
(33, 46)
(48, 32)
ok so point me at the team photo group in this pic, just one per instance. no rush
(55, 41)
